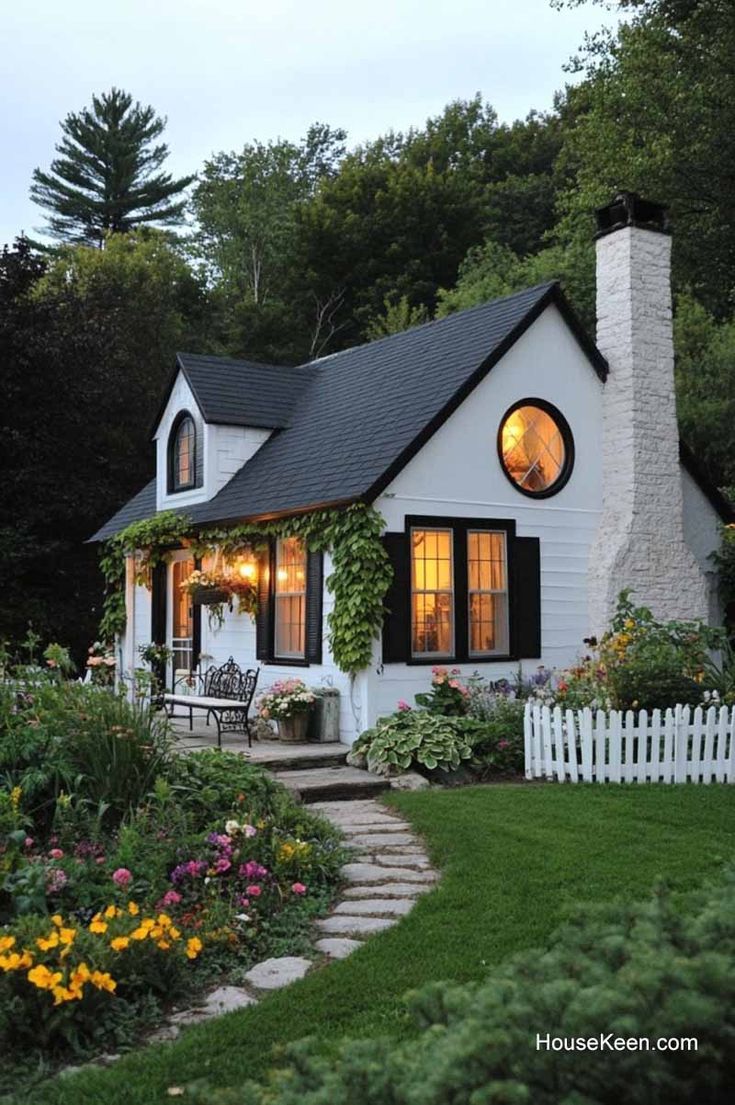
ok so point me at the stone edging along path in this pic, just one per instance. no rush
(388, 872)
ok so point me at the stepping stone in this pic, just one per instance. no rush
(402, 849)
(386, 890)
(373, 872)
(338, 947)
(403, 859)
(352, 806)
(375, 840)
(376, 907)
(272, 974)
(348, 926)
(227, 998)
(370, 824)
(190, 1016)
(164, 1034)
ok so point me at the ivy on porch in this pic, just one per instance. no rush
(359, 580)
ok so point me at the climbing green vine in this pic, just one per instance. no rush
(361, 572)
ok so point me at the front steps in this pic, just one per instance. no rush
(338, 783)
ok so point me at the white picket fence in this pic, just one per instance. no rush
(679, 745)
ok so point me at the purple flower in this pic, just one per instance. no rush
(222, 865)
(252, 870)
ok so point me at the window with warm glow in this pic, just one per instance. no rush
(183, 461)
(182, 631)
(432, 592)
(487, 592)
(290, 599)
(535, 448)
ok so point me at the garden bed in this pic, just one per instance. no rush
(131, 878)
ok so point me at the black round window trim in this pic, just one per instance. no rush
(567, 438)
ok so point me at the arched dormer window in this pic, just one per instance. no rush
(182, 460)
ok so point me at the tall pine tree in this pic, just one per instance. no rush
(106, 177)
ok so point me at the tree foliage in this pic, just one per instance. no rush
(106, 177)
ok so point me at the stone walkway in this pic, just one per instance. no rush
(388, 871)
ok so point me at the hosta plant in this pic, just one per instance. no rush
(415, 738)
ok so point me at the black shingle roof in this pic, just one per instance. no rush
(142, 505)
(239, 393)
(355, 418)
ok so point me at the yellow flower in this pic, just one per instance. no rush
(6, 942)
(63, 993)
(164, 920)
(43, 978)
(79, 975)
(15, 796)
(133, 909)
(174, 932)
(16, 961)
(120, 943)
(98, 926)
(47, 942)
(66, 936)
(58, 920)
(103, 981)
(164, 945)
(193, 947)
(111, 911)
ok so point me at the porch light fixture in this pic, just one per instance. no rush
(246, 569)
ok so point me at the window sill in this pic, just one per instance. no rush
(436, 661)
(290, 662)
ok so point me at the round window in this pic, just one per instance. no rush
(536, 447)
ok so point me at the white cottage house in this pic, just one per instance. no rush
(525, 473)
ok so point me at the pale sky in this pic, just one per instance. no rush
(226, 72)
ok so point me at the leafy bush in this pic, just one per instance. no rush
(448, 695)
(499, 746)
(636, 971)
(415, 738)
(85, 742)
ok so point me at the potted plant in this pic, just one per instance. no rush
(288, 702)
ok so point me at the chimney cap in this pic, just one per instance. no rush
(628, 209)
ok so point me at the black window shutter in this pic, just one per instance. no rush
(314, 587)
(396, 622)
(263, 630)
(196, 643)
(526, 597)
(159, 578)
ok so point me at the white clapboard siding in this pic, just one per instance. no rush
(678, 745)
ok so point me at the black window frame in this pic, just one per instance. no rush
(567, 437)
(174, 487)
(266, 618)
(460, 527)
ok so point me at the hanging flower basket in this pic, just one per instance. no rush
(209, 596)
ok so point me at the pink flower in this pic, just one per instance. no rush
(403, 705)
(298, 888)
(28, 842)
(243, 901)
(171, 897)
(249, 830)
(253, 891)
(56, 853)
(503, 744)
(222, 865)
(454, 684)
(122, 877)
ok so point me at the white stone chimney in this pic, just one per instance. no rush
(640, 542)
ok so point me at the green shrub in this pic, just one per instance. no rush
(650, 971)
(415, 738)
(87, 743)
(499, 747)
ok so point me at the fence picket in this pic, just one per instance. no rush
(546, 721)
(602, 772)
(669, 726)
(721, 749)
(572, 746)
(585, 732)
(696, 744)
(616, 736)
(678, 746)
(655, 746)
(707, 761)
(628, 746)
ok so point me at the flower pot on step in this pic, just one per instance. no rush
(292, 730)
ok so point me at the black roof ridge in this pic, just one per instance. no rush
(545, 286)
(244, 361)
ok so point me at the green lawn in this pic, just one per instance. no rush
(514, 860)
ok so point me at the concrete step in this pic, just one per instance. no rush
(320, 784)
(301, 757)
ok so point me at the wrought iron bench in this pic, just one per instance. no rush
(227, 694)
